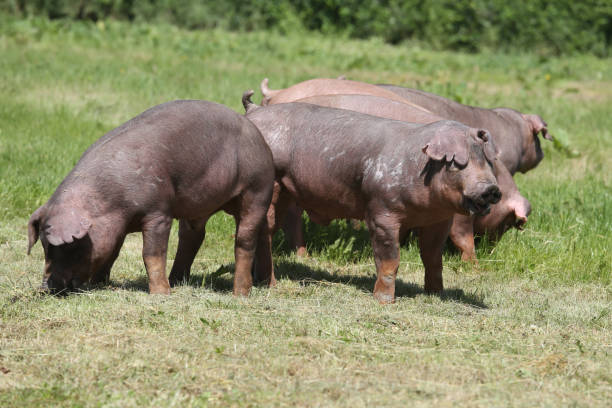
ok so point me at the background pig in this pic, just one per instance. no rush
(511, 211)
(181, 159)
(515, 134)
(338, 163)
(327, 86)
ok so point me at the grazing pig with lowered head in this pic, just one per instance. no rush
(515, 133)
(336, 163)
(181, 159)
(511, 211)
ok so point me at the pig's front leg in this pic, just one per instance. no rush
(384, 234)
(102, 275)
(462, 235)
(431, 241)
(155, 233)
(191, 235)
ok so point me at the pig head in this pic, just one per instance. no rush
(74, 248)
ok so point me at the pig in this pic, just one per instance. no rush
(183, 159)
(313, 87)
(515, 133)
(511, 211)
(337, 163)
(327, 86)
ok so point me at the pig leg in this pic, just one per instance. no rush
(103, 273)
(384, 234)
(191, 235)
(462, 235)
(264, 269)
(155, 233)
(292, 225)
(250, 219)
(431, 242)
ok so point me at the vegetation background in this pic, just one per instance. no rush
(544, 26)
(530, 327)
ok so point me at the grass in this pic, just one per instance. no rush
(530, 327)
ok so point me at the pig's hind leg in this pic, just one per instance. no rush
(431, 243)
(190, 237)
(250, 218)
(155, 233)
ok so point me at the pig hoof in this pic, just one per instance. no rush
(384, 298)
(159, 290)
(242, 292)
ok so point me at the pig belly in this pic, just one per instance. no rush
(325, 200)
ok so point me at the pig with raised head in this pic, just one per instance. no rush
(182, 159)
(515, 133)
(337, 163)
(511, 211)
(314, 87)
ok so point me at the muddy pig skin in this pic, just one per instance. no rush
(511, 211)
(182, 159)
(515, 133)
(337, 163)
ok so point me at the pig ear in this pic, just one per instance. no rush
(66, 227)
(490, 150)
(448, 143)
(34, 227)
(537, 125)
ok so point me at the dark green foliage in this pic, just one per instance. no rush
(548, 27)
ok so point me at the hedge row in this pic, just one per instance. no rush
(546, 26)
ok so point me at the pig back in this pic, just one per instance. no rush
(182, 151)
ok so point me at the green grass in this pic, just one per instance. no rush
(530, 327)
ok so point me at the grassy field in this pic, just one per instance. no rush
(532, 326)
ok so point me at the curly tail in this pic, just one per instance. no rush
(248, 104)
(267, 92)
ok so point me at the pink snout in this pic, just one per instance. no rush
(522, 209)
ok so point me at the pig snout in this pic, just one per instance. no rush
(520, 222)
(57, 286)
(521, 212)
(479, 200)
(492, 194)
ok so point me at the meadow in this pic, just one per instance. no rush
(530, 326)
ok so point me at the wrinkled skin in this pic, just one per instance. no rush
(396, 176)
(511, 211)
(181, 159)
(515, 134)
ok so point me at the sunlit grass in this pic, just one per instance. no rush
(530, 326)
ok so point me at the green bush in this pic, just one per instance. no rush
(544, 26)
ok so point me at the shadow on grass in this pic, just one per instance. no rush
(306, 275)
(222, 281)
